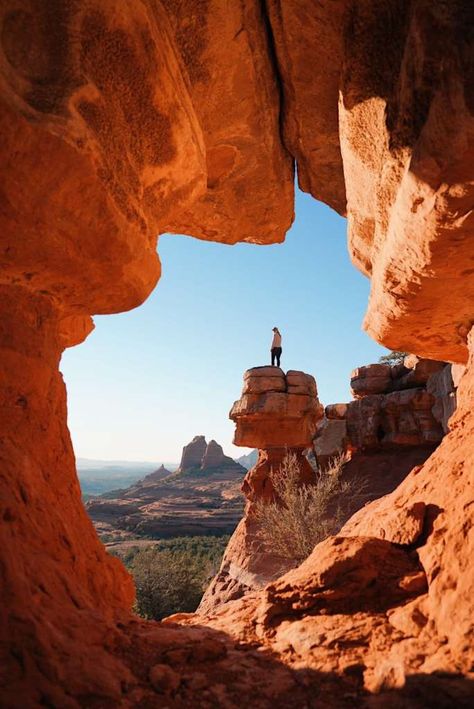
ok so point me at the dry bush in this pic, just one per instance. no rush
(303, 515)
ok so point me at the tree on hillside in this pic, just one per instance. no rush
(393, 357)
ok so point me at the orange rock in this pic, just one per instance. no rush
(371, 379)
(118, 121)
(276, 413)
(226, 55)
(407, 168)
(309, 70)
(384, 613)
(271, 414)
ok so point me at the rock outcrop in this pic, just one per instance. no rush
(398, 417)
(396, 407)
(276, 413)
(377, 602)
(375, 102)
(193, 453)
(160, 474)
(198, 454)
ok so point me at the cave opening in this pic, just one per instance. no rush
(146, 382)
(120, 121)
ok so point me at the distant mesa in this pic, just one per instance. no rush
(200, 455)
(202, 497)
(159, 474)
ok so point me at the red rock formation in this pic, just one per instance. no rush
(225, 53)
(395, 407)
(378, 602)
(310, 86)
(158, 474)
(406, 135)
(198, 454)
(193, 453)
(214, 458)
(120, 120)
(276, 413)
(61, 591)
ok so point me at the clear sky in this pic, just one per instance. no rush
(145, 382)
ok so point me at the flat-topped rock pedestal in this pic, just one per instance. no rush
(277, 413)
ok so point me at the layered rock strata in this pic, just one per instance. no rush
(406, 405)
(202, 497)
(276, 413)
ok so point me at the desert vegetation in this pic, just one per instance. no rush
(302, 515)
(393, 357)
(171, 576)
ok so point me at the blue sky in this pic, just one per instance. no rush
(145, 382)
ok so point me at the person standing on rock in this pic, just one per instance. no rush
(276, 347)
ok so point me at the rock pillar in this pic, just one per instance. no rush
(276, 413)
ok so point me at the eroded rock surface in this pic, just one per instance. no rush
(119, 121)
(276, 413)
(377, 602)
(395, 408)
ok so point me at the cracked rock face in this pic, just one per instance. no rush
(276, 410)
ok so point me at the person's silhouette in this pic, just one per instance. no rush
(276, 347)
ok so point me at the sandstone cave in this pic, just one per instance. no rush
(125, 120)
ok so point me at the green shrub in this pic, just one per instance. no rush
(393, 357)
(303, 515)
(167, 582)
(171, 575)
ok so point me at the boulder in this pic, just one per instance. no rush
(403, 525)
(265, 371)
(419, 371)
(336, 411)
(371, 379)
(401, 418)
(301, 383)
(259, 384)
(330, 440)
(276, 418)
